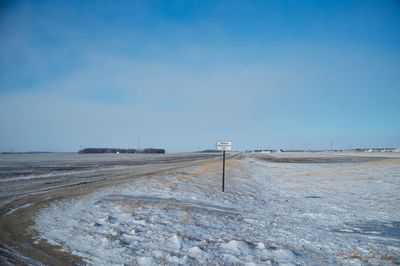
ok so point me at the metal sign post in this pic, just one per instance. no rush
(223, 171)
(223, 146)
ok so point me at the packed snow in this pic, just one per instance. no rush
(270, 214)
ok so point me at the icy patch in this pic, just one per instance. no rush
(145, 261)
(235, 247)
(196, 252)
(174, 243)
(18, 208)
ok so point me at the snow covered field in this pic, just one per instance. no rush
(271, 213)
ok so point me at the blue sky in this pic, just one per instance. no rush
(183, 74)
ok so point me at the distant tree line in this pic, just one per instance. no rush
(114, 150)
(210, 151)
(152, 150)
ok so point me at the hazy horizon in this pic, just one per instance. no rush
(183, 74)
(196, 150)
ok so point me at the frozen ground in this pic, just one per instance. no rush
(22, 175)
(271, 213)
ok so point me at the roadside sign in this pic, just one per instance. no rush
(224, 145)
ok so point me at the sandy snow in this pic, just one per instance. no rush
(271, 213)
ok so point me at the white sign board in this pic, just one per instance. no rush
(224, 145)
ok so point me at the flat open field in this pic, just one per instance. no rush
(287, 208)
(29, 183)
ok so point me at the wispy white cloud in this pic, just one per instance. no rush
(180, 83)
